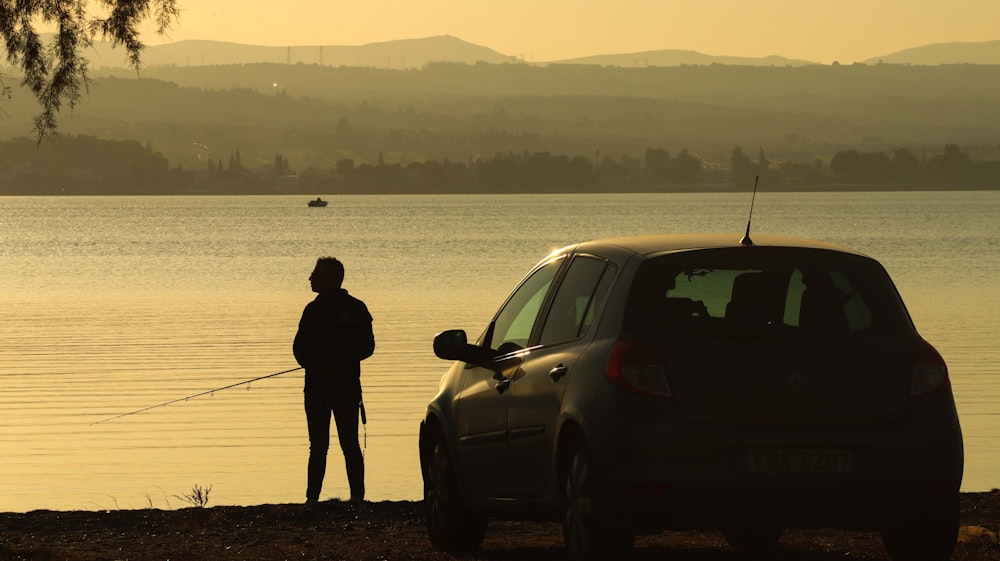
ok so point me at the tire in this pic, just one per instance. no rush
(931, 537)
(753, 539)
(450, 526)
(591, 528)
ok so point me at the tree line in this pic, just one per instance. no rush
(85, 165)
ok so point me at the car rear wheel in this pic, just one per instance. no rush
(928, 538)
(450, 525)
(591, 529)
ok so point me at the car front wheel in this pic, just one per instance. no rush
(591, 528)
(450, 526)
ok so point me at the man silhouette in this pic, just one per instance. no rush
(334, 336)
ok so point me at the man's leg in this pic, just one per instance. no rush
(318, 421)
(346, 416)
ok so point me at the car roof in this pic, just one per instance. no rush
(652, 244)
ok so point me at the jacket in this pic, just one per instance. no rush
(334, 336)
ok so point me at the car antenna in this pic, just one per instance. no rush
(746, 237)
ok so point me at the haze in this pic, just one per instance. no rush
(845, 31)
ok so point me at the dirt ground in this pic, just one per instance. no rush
(384, 531)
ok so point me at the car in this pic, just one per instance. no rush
(642, 384)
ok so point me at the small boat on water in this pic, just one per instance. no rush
(318, 202)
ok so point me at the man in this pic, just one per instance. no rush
(334, 336)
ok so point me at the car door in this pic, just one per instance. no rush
(481, 407)
(538, 386)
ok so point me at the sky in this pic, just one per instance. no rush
(844, 31)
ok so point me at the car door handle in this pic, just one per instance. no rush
(558, 372)
(502, 386)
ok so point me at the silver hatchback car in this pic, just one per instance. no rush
(649, 383)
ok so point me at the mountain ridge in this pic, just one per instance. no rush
(954, 52)
(404, 54)
(680, 57)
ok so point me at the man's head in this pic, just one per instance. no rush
(327, 275)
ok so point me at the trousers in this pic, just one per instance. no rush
(345, 411)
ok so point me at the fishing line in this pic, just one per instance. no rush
(192, 396)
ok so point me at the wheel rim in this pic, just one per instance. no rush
(437, 492)
(579, 504)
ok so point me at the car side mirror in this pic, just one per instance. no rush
(454, 345)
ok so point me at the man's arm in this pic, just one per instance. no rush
(303, 347)
(365, 343)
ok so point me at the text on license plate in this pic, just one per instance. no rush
(800, 461)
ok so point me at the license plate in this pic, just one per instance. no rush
(778, 461)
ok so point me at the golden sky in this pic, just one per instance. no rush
(544, 30)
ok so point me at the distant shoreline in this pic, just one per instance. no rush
(708, 188)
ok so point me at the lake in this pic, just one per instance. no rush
(114, 304)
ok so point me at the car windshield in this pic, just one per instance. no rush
(764, 291)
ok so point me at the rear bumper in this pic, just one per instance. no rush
(818, 504)
(678, 475)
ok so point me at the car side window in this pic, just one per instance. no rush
(513, 324)
(574, 306)
(832, 304)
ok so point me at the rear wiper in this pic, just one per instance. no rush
(696, 273)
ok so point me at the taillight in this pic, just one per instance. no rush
(637, 367)
(930, 373)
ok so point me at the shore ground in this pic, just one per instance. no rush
(387, 531)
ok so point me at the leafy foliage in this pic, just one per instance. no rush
(56, 71)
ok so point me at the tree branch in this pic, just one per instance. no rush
(58, 73)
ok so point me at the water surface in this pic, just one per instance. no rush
(112, 304)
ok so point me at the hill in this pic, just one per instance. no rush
(318, 115)
(418, 52)
(674, 57)
(945, 53)
(400, 54)
(316, 118)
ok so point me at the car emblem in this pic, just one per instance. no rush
(794, 382)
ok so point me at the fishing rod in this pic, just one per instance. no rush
(199, 394)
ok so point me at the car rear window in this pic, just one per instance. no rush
(763, 291)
